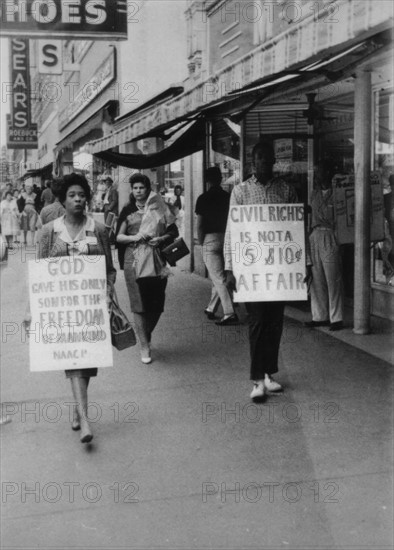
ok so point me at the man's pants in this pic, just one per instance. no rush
(327, 286)
(212, 253)
(265, 321)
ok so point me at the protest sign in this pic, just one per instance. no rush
(268, 252)
(70, 322)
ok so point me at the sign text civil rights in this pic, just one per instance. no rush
(268, 252)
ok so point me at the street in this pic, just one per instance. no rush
(181, 458)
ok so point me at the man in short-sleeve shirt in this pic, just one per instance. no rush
(265, 319)
(212, 211)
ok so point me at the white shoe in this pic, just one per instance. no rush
(258, 390)
(145, 357)
(271, 385)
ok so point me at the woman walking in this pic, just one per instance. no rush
(29, 214)
(149, 225)
(9, 219)
(76, 233)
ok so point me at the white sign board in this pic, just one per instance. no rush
(50, 57)
(70, 321)
(268, 252)
(344, 207)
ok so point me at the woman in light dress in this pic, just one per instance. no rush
(9, 219)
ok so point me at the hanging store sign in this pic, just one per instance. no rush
(22, 138)
(70, 321)
(72, 19)
(50, 57)
(103, 76)
(21, 132)
(268, 252)
(344, 207)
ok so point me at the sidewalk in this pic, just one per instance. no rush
(379, 343)
(182, 459)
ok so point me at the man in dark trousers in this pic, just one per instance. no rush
(265, 319)
(212, 210)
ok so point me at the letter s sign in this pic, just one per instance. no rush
(50, 59)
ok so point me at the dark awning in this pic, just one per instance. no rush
(191, 141)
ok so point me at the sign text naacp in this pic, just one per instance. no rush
(70, 322)
(268, 252)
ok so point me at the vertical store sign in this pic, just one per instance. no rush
(21, 132)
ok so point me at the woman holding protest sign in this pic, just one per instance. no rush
(77, 234)
(147, 225)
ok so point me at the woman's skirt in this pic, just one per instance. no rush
(147, 295)
(81, 373)
(29, 218)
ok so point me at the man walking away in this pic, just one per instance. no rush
(212, 210)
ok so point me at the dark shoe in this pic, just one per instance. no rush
(224, 321)
(86, 434)
(313, 324)
(336, 326)
(76, 423)
(210, 314)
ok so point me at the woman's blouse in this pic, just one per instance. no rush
(92, 240)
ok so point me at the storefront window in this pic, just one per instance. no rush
(383, 257)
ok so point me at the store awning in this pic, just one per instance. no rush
(191, 141)
(44, 171)
(93, 123)
(306, 47)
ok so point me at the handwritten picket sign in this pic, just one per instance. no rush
(268, 252)
(70, 322)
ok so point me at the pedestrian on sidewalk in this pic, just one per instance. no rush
(29, 217)
(148, 225)
(47, 196)
(9, 218)
(326, 286)
(76, 233)
(55, 209)
(265, 319)
(212, 210)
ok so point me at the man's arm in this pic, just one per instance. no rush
(227, 249)
(200, 229)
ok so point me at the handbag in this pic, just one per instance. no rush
(122, 332)
(147, 261)
(175, 251)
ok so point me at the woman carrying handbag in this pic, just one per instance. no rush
(148, 227)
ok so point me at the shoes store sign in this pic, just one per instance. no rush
(72, 19)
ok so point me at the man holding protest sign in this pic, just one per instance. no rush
(265, 318)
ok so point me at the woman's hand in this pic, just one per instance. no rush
(156, 241)
(27, 323)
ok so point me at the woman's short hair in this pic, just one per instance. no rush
(8, 193)
(73, 179)
(140, 178)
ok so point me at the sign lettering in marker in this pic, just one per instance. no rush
(268, 252)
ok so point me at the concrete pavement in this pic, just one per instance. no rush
(181, 458)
